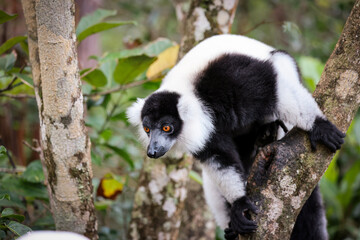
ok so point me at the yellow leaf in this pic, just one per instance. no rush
(166, 59)
(111, 187)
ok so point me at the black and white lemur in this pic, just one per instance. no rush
(221, 93)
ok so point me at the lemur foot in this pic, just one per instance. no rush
(230, 234)
(326, 133)
(239, 223)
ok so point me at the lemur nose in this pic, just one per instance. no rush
(151, 153)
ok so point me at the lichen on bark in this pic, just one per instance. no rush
(156, 212)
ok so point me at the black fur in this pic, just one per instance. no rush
(160, 109)
(161, 104)
(238, 220)
(239, 90)
(327, 133)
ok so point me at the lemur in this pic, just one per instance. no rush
(223, 89)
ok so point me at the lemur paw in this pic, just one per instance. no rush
(230, 234)
(326, 133)
(239, 223)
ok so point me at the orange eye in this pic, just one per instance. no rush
(146, 129)
(166, 128)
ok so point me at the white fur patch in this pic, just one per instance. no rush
(295, 106)
(215, 201)
(133, 113)
(197, 126)
(228, 180)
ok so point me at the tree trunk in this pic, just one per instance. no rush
(64, 140)
(159, 199)
(285, 172)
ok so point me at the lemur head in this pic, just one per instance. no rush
(167, 120)
(160, 120)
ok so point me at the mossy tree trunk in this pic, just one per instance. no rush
(159, 199)
(285, 173)
(64, 141)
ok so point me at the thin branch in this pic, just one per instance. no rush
(26, 83)
(10, 85)
(263, 22)
(16, 96)
(11, 170)
(35, 149)
(89, 71)
(123, 87)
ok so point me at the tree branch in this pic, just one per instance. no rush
(16, 96)
(290, 162)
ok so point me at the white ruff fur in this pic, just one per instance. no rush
(228, 180)
(215, 201)
(197, 126)
(133, 113)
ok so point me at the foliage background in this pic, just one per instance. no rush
(307, 29)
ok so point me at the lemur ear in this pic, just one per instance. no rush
(133, 113)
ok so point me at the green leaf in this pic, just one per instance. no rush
(106, 134)
(128, 69)
(96, 78)
(119, 117)
(219, 234)
(2, 234)
(24, 77)
(103, 204)
(4, 195)
(24, 188)
(34, 172)
(12, 203)
(25, 46)
(93, 18)
(196, 177)
(123, 154)
(99, 28)
(96, 117)
(151, 49)
(7, 62)
(17, 228)
(2, 150)
(95, 158)
(9, 213)
(158, 46)
(4, 17)
(348, 184)
(311, 69)
(10, 43)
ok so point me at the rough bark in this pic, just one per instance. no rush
(205, 19)
(159, 199)
(64, 140)
(285, 173)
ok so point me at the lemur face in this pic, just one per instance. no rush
(161, 122)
